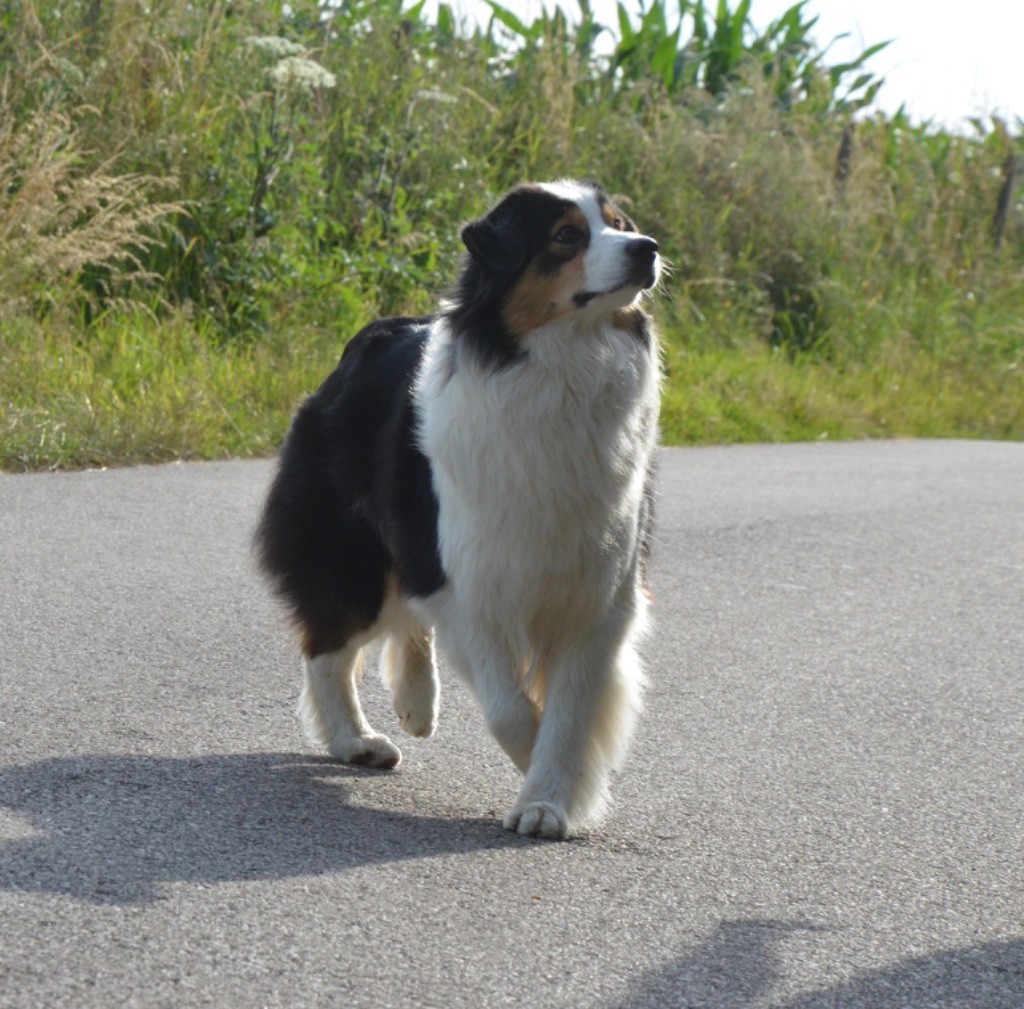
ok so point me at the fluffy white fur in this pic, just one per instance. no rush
(542, 468)
(539, 471)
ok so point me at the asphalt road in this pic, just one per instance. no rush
(824, 806)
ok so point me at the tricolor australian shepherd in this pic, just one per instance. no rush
(480, 479)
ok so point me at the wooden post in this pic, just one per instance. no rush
(1005, 199)
(844, 156)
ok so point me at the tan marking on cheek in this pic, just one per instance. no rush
(632, 320)
(539, 298)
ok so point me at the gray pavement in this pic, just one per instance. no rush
(824, 805)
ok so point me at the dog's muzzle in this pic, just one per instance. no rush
(641, 270)
(643, 259)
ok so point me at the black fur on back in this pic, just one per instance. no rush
(352, 503)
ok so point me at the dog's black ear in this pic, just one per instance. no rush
(497, 242)
(484, 244)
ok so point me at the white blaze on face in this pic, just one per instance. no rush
(606, 262)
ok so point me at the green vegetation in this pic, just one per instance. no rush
(201, 200)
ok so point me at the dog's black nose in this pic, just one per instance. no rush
(642, 248)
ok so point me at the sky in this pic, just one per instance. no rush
(945, 64)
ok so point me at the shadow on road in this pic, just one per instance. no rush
(738, 964)
(109, 829)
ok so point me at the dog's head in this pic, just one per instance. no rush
(550, 253)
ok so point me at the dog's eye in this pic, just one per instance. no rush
(567, 235)
(617, 224)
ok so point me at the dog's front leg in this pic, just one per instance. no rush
(593, 695)
(511, 716)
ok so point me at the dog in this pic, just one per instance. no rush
(480, 481)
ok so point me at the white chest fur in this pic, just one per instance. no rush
(540, 470)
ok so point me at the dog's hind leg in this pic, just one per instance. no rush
(329, 565)
(408, 669)
(331, 712)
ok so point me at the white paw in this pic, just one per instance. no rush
(369, 751)
(416, 705)
(418, 723)
(538, 819)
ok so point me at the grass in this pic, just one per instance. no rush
(140, 391)
(755, 394)
(188, 236)
(145, 391)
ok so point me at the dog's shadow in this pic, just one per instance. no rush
(111, 829)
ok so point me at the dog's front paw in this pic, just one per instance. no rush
(367, 751)
(416, 705)
(538, 819)
(418, 723)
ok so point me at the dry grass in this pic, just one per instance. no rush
(60, 214)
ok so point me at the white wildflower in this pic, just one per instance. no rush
(302, 74)
(276, 46)
(69, 72)
(436, 95)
